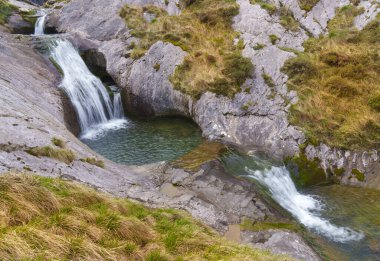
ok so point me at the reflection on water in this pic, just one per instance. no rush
(148, 141)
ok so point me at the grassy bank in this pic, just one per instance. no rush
(338, 82)
(203, 29)
(78, 223)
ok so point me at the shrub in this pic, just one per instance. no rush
(300, 65)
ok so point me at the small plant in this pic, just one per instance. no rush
(288, 21)
(307, 5)
(268, 79)
(271, 8)
(273, 38)
(259, 47)
(94, 161)
(58, 142)
(157, 67)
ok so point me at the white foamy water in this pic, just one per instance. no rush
(303, 207)
(40, 25)
(95, 110)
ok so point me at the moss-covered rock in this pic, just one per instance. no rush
(358, 174)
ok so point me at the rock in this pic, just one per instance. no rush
(17, 25)
(280, 242)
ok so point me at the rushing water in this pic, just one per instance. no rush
(304, 208)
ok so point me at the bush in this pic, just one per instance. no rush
(300, 65)
(238, 68)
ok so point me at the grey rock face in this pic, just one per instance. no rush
(280, 242)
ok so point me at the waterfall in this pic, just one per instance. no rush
(303, 207)
(95, 110)
(118, 111)
(40, 25)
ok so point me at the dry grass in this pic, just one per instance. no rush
(64, 155)
(94, 161)
(78, 223)
(338, 82)
(203, 29)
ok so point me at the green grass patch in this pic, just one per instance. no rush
(58, 142)
(358, 174)
(203, 29)
(337, 79)
(79, 223)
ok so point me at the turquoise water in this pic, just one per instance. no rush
(148, 141)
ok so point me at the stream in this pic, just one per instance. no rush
(343, 222)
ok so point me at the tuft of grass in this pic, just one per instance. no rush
(203, 29)
(259, 47)
(307, 5)
(268, 79)
(94, 161)
(6, 9)
(271, 8)
(58, 142)
(79, 223)
(273, 38)
(287, 20)
(338, 82)
(64, 155)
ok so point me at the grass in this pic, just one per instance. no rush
(78, 223)
(94, 161)
(203, 29)
(271, 8)
(6, 9)
(338, 81)
(65, 155)
(307, 5)
(58, 142)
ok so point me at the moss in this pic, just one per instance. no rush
(260, 226)
(306, 172)
(64, 155)
(94, 161)
(273, 38)
(358, 174)
(265, 5)
(268, 80)
(203, 29)
(56, 65)
(338, 172)
(6, 9)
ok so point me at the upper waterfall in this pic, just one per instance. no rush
(303, 207)
(90, 98)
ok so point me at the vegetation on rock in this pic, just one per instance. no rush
(307, 5)
(203, 29)
(94, 161)
(338, 82)
(6, 10)
(78, 223)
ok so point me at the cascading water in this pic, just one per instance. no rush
(305, 208)
(92, 103)
(40, 25)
